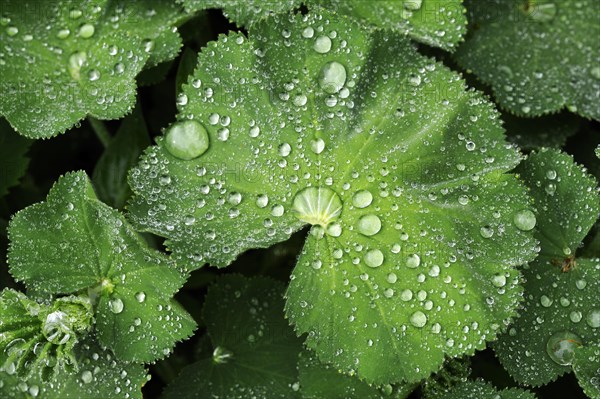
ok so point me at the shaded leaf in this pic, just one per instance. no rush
(13, 159)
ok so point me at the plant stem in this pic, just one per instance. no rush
(101, 131)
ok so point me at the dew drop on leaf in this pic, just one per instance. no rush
(418, 319)
(525, 220)
(332, 77)
(322, 44)
(561, 347)
(593, 318)
(374, 258)
(413, 261)
(362, 199)
(186, 140)
(369, 225)
(115, 305)
(140, 296)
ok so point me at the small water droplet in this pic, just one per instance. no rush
(86, 377)
(362, 199)
(413, 261)
(418, 319)
(317, 145)
(140, 296)
(86, 31)
(374, 258)
(499, 280)
(593, 318)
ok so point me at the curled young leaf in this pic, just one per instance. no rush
(399, 169)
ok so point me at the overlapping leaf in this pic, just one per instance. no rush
(254, 349)
(538, 56)
(587, 370)
(547, 131)
(73, 242)
(100, 375)
(482, 390)
(62, 61)
(562, 308)
(397, 166)
(439, 23)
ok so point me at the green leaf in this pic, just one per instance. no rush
(587, 370)
(255, 350)
(74, 242)
(110, 173)
(482, 390)
(538, 56)
(71, 59)
(100, 375)
(561, 308)
(547, 131)
(438, 23)
(318, 380)
(13, 159)
(454, 372)
(397, 166)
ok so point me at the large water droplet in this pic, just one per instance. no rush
(499, 280)
(317, 145)
(593, 318)
(561, 347)
(362, 199)
(86, 31)
(86, 377)
(418, 319)
(115, 305)
(317, 205)
(413, 261)
(332, 77)
(374, 258)
(186, 140)
(76, 61)
(369, 225)
(322, 44)
(525, 220)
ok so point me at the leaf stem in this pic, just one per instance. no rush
(101, 131)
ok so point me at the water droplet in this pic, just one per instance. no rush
(86, 31)
(12, 31)
(575, 316)
(262, 201)
(308, 32)
(186, 140)
(374, 258)
(561, 347)
(115, 305)
(499, 280)
(285, 149)
(581, 284)
(418, 319)
(277, 210)
(413, 261)
(86, 377)
(322, 44)
(332, 77)
(317, 145)
(412, 4)
(317, 205)
(63, 33)
(486, 231)
(392, 278)
(362, 199)
(140, 296)
(76, 61)
(543, 12)
(369, 225)
(148, 45)
(545, 301)
(595, 72)
(525, 220)
(93, 75)
(593, 318)
(334, 230)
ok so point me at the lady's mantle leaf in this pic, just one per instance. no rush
(398, 168)
(482, 390)
(318, 380)
(62, 61)
(74, 242)
(439, 23)
(255, 349)
(539, 56)
(13, 161)
(562, 308)
(99, 375)
(587, 370)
